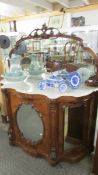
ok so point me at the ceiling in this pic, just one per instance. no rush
(14, 8)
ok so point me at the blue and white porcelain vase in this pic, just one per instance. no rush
(73, 79)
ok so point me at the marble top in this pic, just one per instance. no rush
(31, 87)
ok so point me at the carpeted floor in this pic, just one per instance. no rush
(14, 161)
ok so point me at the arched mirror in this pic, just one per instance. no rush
(29, 122)
(47, 50)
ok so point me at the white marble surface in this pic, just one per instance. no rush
(30, 86)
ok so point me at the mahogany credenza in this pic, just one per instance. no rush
(81, 115)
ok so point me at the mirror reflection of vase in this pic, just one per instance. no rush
(30, 123)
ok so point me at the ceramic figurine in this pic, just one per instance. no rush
(61, 81)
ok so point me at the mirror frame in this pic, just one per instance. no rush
(51, 32)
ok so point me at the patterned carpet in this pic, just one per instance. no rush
(14, 161)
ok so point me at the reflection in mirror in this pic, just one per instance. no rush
(77, 54)
(54, 53)
(30, 123)
(73, 124)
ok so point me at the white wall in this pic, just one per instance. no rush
(26, 26)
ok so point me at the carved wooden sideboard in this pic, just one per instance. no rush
(68, 119)
(81, 125)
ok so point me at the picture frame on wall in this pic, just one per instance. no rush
(78, 21)
(12, 26)
(56, 21)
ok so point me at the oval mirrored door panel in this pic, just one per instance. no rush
(29, 122)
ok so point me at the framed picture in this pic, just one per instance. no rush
(12, 25)
(56, 21)
(78, 21)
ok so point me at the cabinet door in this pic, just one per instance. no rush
(76, 118)
(30, 123)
